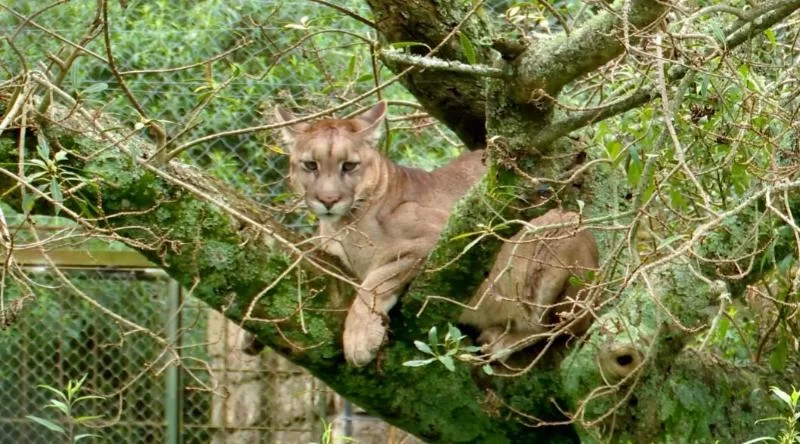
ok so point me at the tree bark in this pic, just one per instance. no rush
(228, 251)
(227, 261)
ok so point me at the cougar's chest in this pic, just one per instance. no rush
(357, 245)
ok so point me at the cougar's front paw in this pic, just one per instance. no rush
(494, 342)
(364, 333)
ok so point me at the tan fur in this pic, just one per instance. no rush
(383, 219)
(528, 292)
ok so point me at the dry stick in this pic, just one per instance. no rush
(433, 63)
(6, 244)
(762, 19)
(54, 34)
(348, 13)
(190, 66)
(376, 77)
(158, 131)
(668, 115)
(391, 80)
(66, 65)
(30, 18)
(16, 106)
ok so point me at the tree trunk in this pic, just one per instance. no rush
(227, 261)
(228, 251)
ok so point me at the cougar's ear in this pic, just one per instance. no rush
(290, 132)
(373, 117)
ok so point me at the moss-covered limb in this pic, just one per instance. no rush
(550, 65)
(227, 265)
(455, 99)
(680, 393)
(757, 20)
(697, 398)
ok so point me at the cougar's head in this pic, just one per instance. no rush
(333, 162)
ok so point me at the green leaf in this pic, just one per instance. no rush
(47, 423)
(487, 368)
(83, 398)
(42, 147)
(762, 439)
(28, 200)
(613, 148)
(418, 362)
(74, 386)
(38, 162)
(81, 419)
(351, 66)
(448, 362)
(669, 241)
(778, 358)
(56, 404)
(780, 394)
(401, 45)
(54, 390)
(423, 347)
(364, 78)
(717, 32)
(84, 436)
(35, 176)
(469, 50)
(55, 193)
(61, 156)
(770, 34)
(96, 88)
(433, 336)
(786, 264)
(453, 332)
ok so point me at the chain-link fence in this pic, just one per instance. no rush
(215, 393)
(198, 68)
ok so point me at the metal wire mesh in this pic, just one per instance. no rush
(61, 337)
(268, 59)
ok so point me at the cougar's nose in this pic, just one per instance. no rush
(328, 201)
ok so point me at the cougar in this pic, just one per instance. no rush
(382, 220)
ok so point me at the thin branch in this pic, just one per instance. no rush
(185, 67)
(739, 33)
(53, 34)
(347, 12)
(158, 131)
(175, 152)
(432, 63)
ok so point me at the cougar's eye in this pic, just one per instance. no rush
(310, 165)
(349, 166)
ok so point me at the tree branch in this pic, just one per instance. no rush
(436, 64)
(757, 21)
(455, 99)
(550, 65)
(203, 236)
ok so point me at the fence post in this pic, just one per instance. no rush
(174, 389)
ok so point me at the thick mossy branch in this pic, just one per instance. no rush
(548, 66)
(757, 20)
(453, 98)
(227, 263)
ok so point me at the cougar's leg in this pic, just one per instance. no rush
(366, 323)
